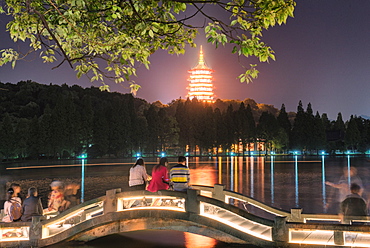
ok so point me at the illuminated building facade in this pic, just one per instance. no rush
(200, 81)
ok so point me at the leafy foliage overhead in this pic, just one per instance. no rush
(108, 39)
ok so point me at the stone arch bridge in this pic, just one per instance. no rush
(209, 211)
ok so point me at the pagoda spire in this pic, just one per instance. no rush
(201, 56)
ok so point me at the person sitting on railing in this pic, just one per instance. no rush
(12, 207)
(13, 211)
(72, 194)
(31, 205)
(160, 179)
(56, 202)
(180, 175)
(138, 178)
(353, 205)
(343, 189)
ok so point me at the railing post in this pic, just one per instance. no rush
(192, 205)
(110, 203)
(296, 215)
(35, 233)
(218, 192)
(338, 237)
(280, 232)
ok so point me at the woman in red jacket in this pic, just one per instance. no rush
(160, 179)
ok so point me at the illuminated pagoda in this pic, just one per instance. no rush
(201, 86)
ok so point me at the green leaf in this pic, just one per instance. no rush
(151, 34)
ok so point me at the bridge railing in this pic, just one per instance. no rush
(71, 217)
(295, 215)
(205, 202)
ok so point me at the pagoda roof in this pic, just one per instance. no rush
(201, 62)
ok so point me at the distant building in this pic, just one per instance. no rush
(200, 81)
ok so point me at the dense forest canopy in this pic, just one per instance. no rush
(52, 121)
(108, 39)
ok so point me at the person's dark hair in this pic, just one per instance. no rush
(32, 191)
(9, 194)
(14, 185)
(355, 187)
(140, 161)
(162, 162)
(181, 159)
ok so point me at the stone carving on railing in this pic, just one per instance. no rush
(211, 209)
(158, 202)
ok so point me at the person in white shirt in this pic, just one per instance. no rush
(11, 198)
(138, 176)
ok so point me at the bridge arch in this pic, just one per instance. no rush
(135, 220)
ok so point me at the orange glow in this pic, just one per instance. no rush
(200, 85)
(194, 240)
(204, 175)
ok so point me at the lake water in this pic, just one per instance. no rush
(282, 182)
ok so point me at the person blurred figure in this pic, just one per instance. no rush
(56, 202)
(343, 188)
(31, 205)
(180, 175)
(138, 177)
(72, 194)
(353, 205)
(160, 179)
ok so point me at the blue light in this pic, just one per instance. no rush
(295, 152)
(82, 156)
(163, 154)
(232, 153)
(138, 155)
(272, 153)
(322, 152)
(187, 154)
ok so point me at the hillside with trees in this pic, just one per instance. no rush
(51, 121)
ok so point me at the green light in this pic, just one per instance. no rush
(82, 156)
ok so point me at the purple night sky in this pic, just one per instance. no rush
(322, 57)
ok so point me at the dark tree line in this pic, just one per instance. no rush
(54, 121)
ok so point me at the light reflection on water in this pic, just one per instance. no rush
(282, 182)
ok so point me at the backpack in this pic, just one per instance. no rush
(15, 210)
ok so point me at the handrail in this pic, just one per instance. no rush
(197, 205)
(295, 215)
(230, 194)
(73, 211)
(236, 210)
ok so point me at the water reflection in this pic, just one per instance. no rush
(272, 180)
(194, 240)
(349, 170)
(323, 182)
(296, 181)
(282, 182)
(252, 176)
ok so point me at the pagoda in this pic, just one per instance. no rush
(200, 81)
